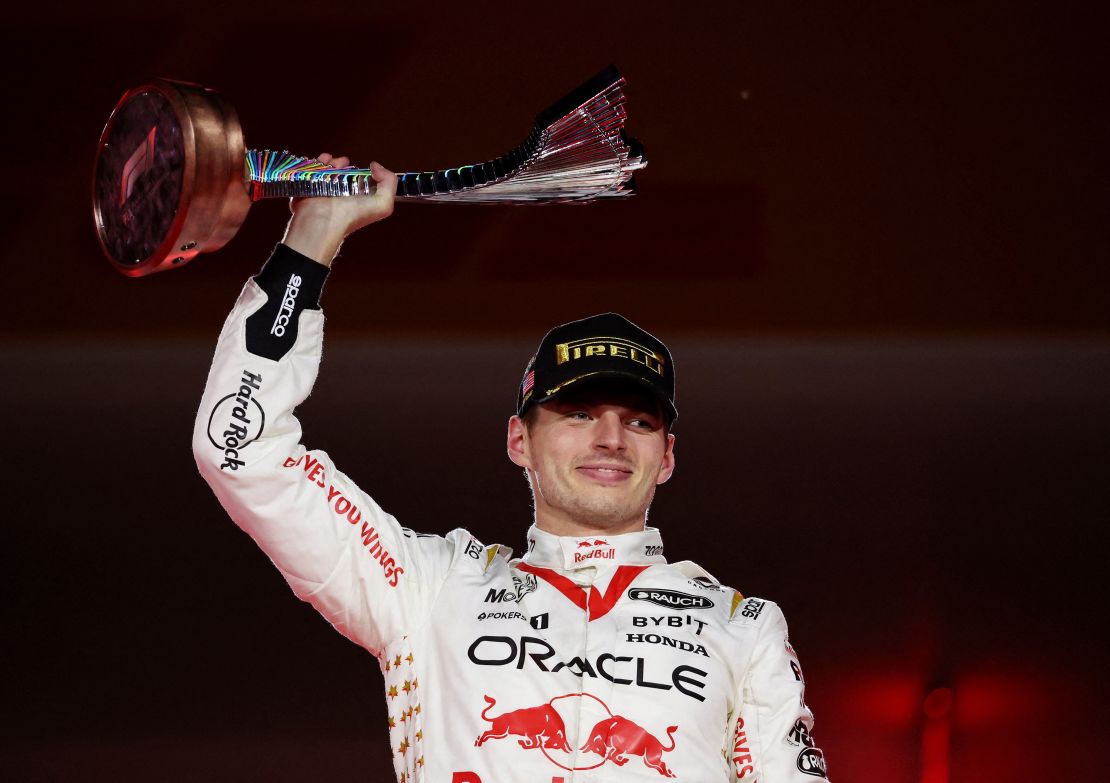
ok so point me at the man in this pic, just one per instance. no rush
(588, 659)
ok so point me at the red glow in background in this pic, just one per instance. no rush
(874, 237)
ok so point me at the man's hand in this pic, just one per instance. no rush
(319, 225)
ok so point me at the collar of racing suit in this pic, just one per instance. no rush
(570, 553)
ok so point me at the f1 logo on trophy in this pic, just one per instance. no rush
(173, 177)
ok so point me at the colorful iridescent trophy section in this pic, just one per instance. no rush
(173, 177)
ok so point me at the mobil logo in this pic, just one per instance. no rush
(613, 738)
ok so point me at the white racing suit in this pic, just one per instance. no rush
(588, 659)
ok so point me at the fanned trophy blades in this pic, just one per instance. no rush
(577, 151)
(173, 177)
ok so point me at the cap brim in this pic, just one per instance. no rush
(668, 407)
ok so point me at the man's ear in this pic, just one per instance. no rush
(666, 468)
(517, 442)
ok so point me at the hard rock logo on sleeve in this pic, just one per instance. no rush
(237, 420)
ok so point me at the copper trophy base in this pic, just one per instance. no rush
(168, 182)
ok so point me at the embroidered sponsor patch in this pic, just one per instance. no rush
(672, 599)
(752, 608)
(237, 420)
(799, 735)
(811, 761)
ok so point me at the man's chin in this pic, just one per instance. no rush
(608, 516)
(597, 507)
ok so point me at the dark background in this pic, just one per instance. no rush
(873, 235)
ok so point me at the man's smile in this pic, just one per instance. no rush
(605, 472)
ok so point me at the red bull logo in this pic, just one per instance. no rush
(617, 737)
(594, 553)
(540, 726)
(614, 738)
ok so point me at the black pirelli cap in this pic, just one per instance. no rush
(601, 346)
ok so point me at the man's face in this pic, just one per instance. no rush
(594, 456)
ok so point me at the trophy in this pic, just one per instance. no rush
(173, 177)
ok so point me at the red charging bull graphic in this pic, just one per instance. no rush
(615, 738)
(540, 726)
(618, 737)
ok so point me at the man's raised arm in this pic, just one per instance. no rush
(332, 543)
